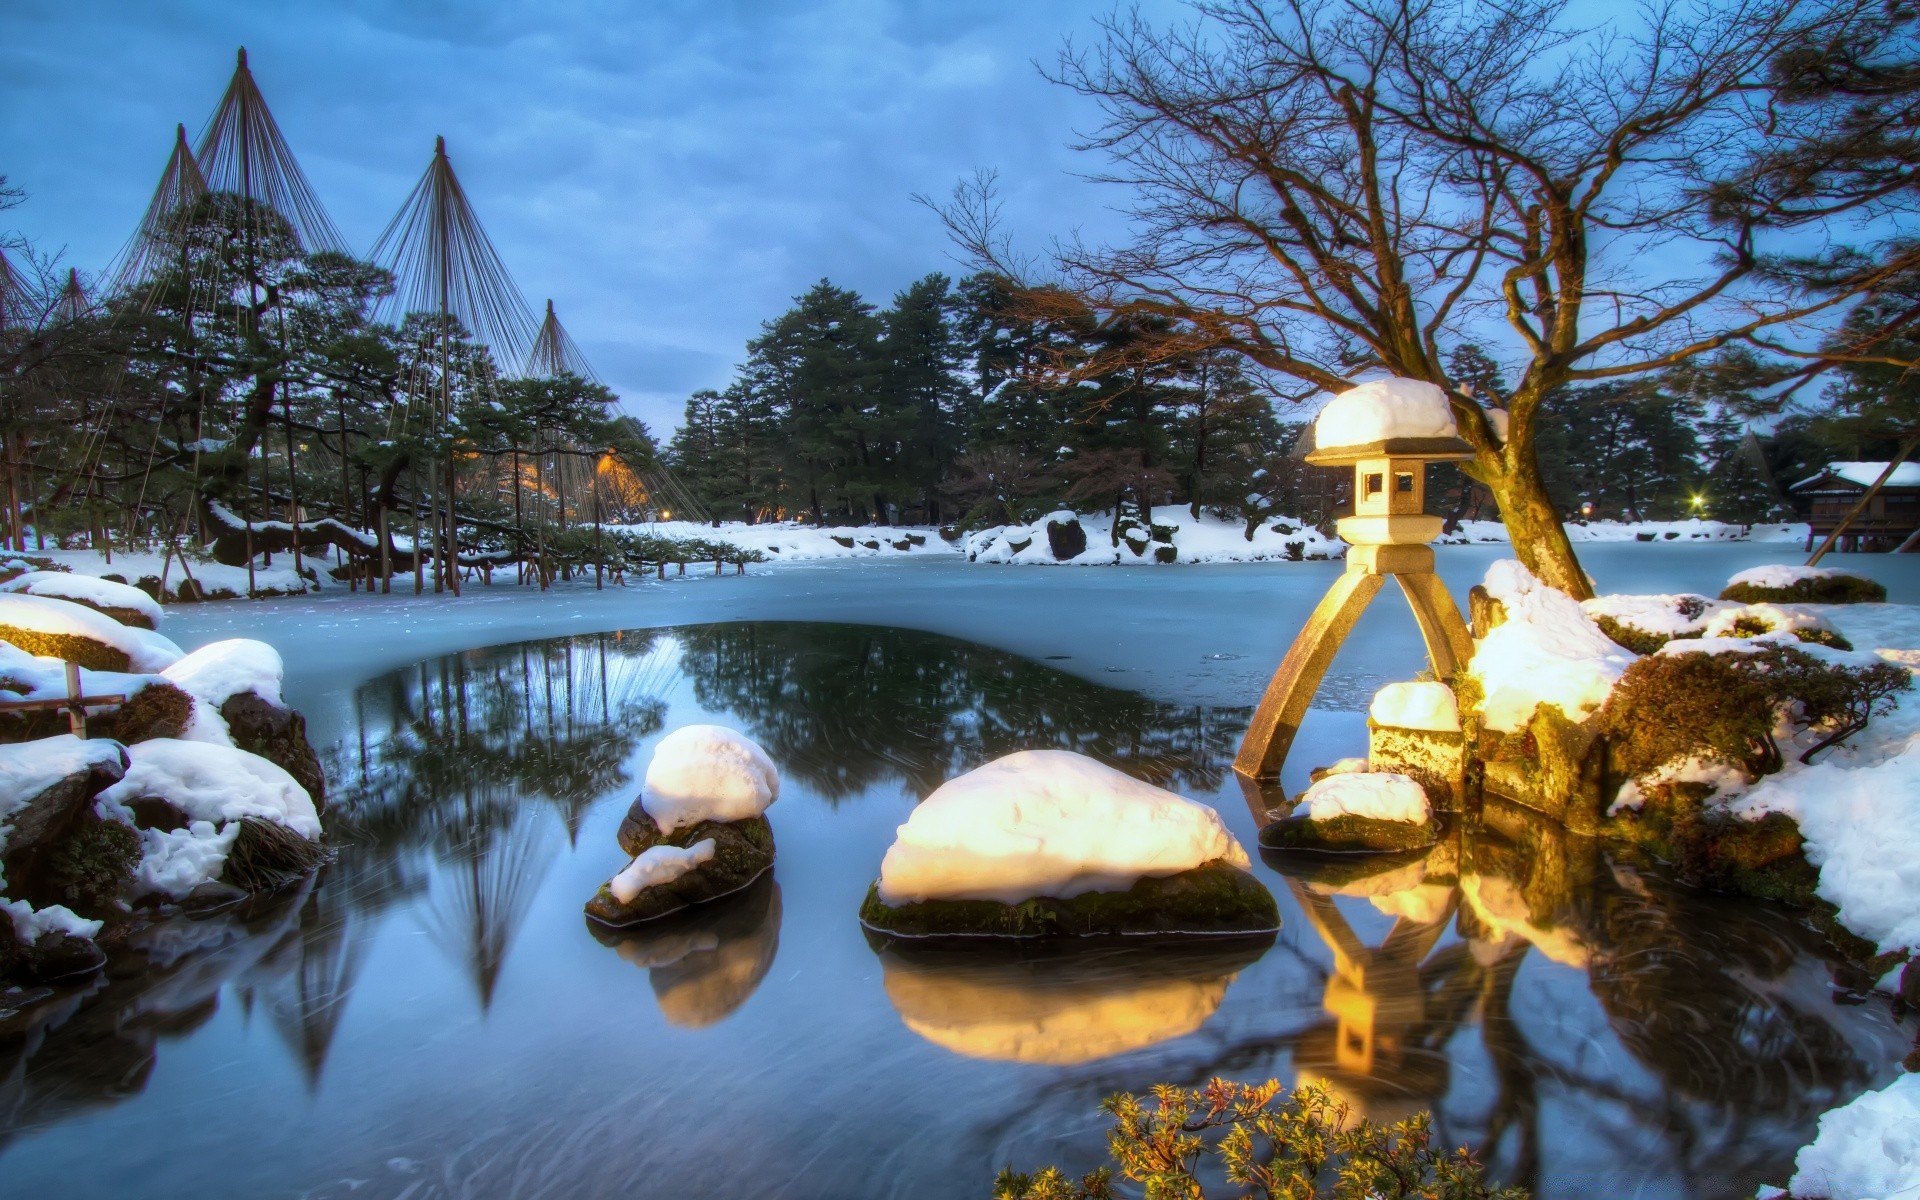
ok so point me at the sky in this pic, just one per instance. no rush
(670, 173)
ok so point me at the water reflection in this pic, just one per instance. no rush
(843, 708)
(706, 961)
(1071, 1006)
(1573, 1020)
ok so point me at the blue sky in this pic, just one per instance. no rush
(669, 172)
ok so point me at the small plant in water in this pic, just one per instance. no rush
(1297, 1147)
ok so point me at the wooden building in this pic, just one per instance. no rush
(1888, 521)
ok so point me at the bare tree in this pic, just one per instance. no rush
(1339, 187)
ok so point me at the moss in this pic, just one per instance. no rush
(1348, 835)
(89, 868)
(1833, 589)
(1213, 898)
(159, 710)
(1637, 640)
(94, 656)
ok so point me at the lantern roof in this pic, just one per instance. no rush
(1431, 449)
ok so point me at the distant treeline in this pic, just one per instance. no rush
(945, 408)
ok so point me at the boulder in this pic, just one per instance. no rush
(742, 852)
(1357, 812)
(1066, 537)
(278, 735)
(55, 852)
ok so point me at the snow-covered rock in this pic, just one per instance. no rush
(1205, 539)
(708, 773)
(1548, 651)
(220, 670)
(1868, 1149)
(1373, 795)
(1784, 575)
(1420, 704)
(101, 594)
(214, 783)
(1047, 823)
(1862, 830)
(29, 768)
(657, 865)
(143, 649)
(1381, 409)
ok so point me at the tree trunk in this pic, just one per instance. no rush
(1540, 542)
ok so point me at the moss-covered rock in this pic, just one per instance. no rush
(1711, 848)
(54, 848)
(94, 656)
(1555, 766)
(1211, 899)
(1826, 589)
(742, 852)
(1348, 834)
(89, 869)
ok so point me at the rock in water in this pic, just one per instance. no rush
(697, 832)
(742, 852)
(1050, 843)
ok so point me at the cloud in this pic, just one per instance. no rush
(669, 173)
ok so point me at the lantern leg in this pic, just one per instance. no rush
(1284, 706)
(1449, 645)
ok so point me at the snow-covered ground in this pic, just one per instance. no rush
(1693, 530)
(790, 541)
(1867, 1150)
(1202, 539)
(216, 578)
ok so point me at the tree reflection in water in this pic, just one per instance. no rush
(1544, 1001)
(845, 707)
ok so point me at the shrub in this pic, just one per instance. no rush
(1673, 707)
(1302, 1147)
(1826, 589)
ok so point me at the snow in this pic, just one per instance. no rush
(29, 768)
(145, 650)
(1658, 533)
(1775, 618)
(1047, 823)
(1549, 651)
(1418, 705)
(174, 862)
(214, 783)
(791, 541)
(1382, 409)
(31, 924)
(217, 578)
(657, 865)
(1375, 795)
(63, 585)
(1862, 830)
(1784, 575)
(707, 773)
(1865, 473)
(1657, 614)
(220, 670)
(1203, 539)
(1866, 1150)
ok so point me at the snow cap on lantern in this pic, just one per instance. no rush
(1388, 430)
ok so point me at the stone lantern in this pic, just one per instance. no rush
(1387, 431)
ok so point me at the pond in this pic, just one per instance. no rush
(432, 1016)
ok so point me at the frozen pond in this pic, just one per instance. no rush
(433, 1016)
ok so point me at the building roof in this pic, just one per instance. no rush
(1906, 475)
